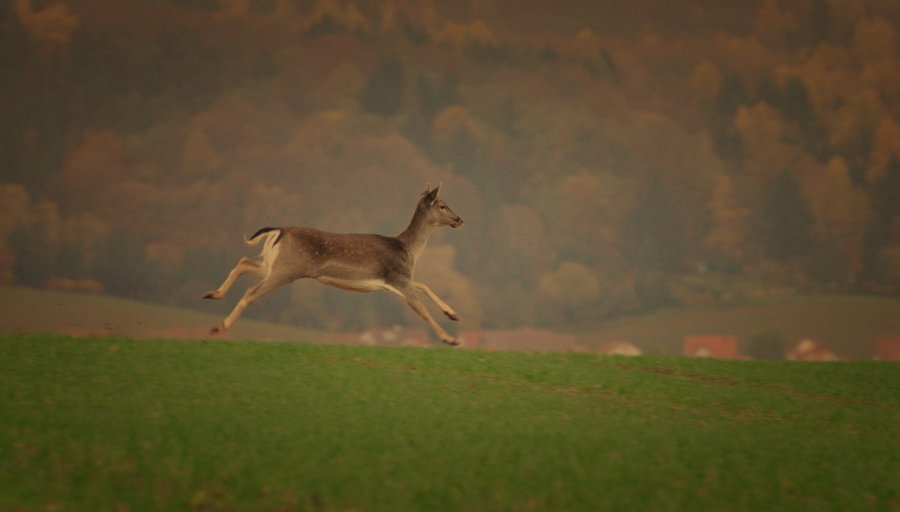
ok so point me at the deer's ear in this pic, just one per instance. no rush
(426, 191)
(431, 197)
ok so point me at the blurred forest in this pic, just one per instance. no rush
(608, 158)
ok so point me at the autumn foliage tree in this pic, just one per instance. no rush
(597, 169)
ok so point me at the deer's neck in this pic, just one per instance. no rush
(415, 236)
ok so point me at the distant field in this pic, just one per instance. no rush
(26, 310)
(847, 325)
(113, 424)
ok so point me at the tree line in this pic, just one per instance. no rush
(599, 175)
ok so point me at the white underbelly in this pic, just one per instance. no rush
(361, 285)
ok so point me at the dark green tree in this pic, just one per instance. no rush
(794, 102)
(14, 63)
(884, 193)
(121, 265)
(70, 261)
(884, 197)
(732, 94)
(828, 262)
(817, 21)
(34, 256)
(653, 234)
(652, 290)
(786, 219)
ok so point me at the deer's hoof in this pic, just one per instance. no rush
(212, 295)
(216, 330)
(453, 316)
(452, 342)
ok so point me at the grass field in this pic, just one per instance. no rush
(116, 424)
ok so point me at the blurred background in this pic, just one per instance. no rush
(609, 159)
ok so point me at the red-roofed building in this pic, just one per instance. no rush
(888, 348)
(719, 347)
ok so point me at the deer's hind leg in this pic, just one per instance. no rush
(245, 266)
(269, 284)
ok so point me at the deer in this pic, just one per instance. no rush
(352, 262)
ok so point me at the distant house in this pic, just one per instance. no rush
(380, 336)
(719, 347)
(809, 350)
(621, 348)
(518, 339)
(888, 348)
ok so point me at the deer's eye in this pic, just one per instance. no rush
(443, 207)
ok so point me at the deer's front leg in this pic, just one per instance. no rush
(409, 295)
(441, 304)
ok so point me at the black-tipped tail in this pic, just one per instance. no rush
(262, 232)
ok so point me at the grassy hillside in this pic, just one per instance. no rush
(847, 325)
(30, 310)
(113, 424)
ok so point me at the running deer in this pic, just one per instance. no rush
(356, 263)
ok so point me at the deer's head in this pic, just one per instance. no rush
(436, 210)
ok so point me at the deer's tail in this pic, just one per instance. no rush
(272, 236)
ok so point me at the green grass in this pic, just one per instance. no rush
(116, 424)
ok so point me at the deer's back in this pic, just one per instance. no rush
(351, 256)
